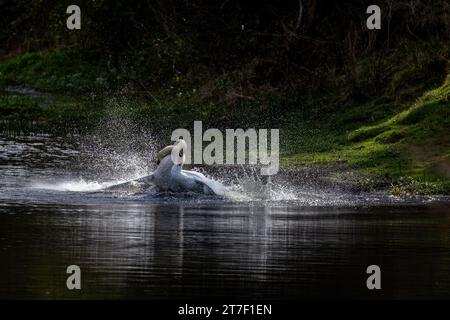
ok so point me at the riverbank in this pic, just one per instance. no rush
(384, 125)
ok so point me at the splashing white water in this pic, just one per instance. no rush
(119, 148)
(117, 151)
(79, 185)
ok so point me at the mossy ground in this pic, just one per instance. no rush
(398, 141)
(384, 125)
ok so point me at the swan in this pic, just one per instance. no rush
(170, 176)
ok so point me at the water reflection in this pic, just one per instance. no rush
(176, 251)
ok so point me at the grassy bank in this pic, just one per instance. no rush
(405, 152)
(383, 124)
(395, 138)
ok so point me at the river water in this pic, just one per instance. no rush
(297, 242)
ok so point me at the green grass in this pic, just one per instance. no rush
(64, 71)
(54, 112)
(408, 152)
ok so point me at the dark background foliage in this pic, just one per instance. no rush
(272, 42)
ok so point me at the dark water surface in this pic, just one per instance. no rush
(298, 243)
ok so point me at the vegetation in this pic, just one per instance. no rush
(372, 106)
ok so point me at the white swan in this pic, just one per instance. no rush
(169, 176)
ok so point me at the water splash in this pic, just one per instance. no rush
(244, 183)
(119, 148)
(79, 185)
(116, 151)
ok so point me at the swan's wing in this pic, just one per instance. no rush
(137, 185)
(215, 186)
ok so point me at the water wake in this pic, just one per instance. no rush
(79, 185)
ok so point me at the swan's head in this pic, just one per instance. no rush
(178, 152)
(175, 152)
